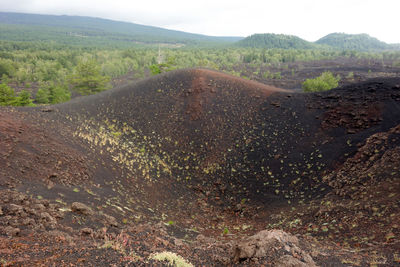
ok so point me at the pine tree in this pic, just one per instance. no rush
(87, 78)
(7, 95)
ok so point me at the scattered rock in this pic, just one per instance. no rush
(39, 207)
(276, 104)
(53, 175)
(28, 221)
(47, 217)
(13, 209)
(81, 208)
(11, 231)
(203, 239)
(290, 261)
(178, 242)
(101, 233)
(87, 231)
(110, 220)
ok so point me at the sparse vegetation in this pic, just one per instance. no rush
(350, 76)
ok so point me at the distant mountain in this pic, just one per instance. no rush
(271, 40)
(88, 30)
(361, 42)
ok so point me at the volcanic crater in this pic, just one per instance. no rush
(195, 161)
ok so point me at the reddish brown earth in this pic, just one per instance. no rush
(198, 163)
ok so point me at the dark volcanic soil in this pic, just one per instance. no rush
(194, 162)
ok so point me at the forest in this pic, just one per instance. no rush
(53, 72)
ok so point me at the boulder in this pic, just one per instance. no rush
(110, 220)
(81, 208)
(278, 247)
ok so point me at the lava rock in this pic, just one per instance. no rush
(87, 231)
(276, 245)
(110, 220)
(81, 208)
(13, 209)
(11, 231)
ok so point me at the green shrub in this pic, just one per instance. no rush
(155, 69)
(7, 95)
(350, 76)
(161, 68)
(5, 79)
(24, 99)
(6, 68)
(325, 82)
(277, 75)
(59, 94)
(42, 96)
(52, 93)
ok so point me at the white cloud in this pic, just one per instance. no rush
(309, 19)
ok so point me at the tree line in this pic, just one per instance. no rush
(51, 73)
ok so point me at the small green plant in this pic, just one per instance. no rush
(7, 95)
(172, 259)
(116, 134)
(24, 99)
(325, 82)
(5, 79)
(277, 76)
(350, 76)
(267, 75)
(155, 69)
(226, 231)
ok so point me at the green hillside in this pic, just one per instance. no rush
(93, 31)
(342, 41)
(360, 42)
(271, 40)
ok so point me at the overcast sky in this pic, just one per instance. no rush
(308, 19)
